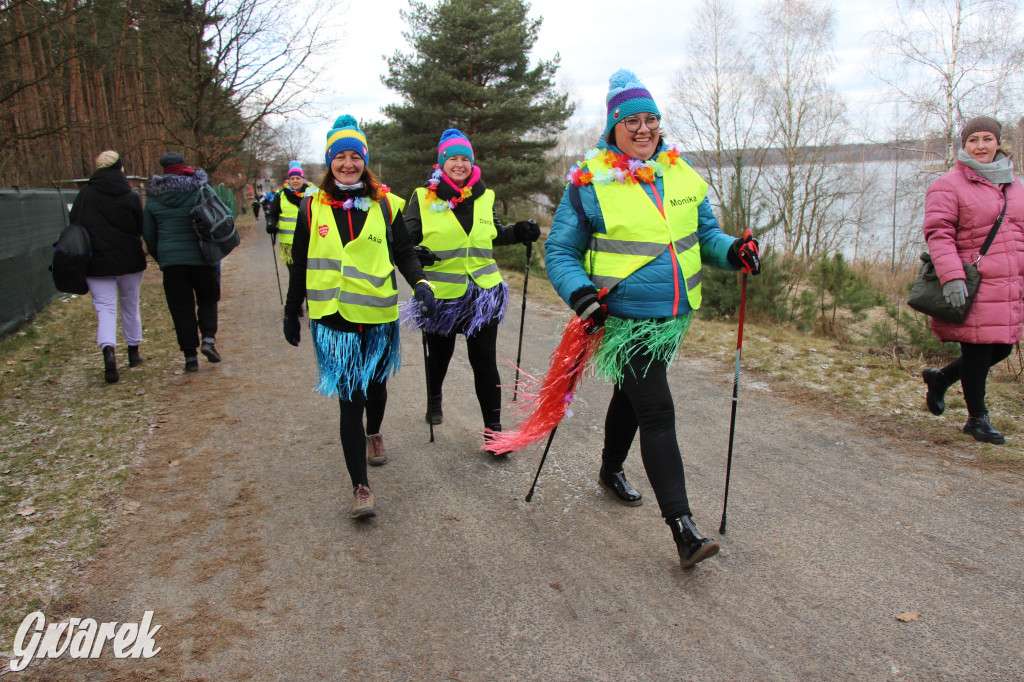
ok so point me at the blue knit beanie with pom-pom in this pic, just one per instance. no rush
(346, 135)
(295, 168)
(627, 96)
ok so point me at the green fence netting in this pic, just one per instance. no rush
(30, 222)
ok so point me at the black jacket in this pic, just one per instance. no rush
(112, 214)
(399, 249)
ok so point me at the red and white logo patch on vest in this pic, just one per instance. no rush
(323, 229)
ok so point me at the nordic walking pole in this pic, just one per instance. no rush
(529, 495)
(426, 373)
(735, 397)
(273, 254)
(522, 319)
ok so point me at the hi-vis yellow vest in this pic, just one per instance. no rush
(286, 220)
(357, 279)
(461, 255)
(637, 233)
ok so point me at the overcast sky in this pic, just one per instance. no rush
(648, 38)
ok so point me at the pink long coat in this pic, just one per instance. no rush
(959, 211)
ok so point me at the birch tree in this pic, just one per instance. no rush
(950, 60)
(807, 197)
(722, 118)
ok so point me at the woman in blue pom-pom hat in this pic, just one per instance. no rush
(349, 240)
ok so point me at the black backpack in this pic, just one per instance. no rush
(72, 253)
(213, 224)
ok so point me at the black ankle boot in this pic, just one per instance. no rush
(616, 484)
(134, 359)
(110, 365)
(693, 547)
(981, 428)
(434, 413)
(935, 398)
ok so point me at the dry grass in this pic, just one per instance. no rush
(68, 442)
(871, 385)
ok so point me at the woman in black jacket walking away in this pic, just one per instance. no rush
(112, 214)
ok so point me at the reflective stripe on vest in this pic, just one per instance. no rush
(637, 233)
(461, 256)
(286, 220)
(357, 279)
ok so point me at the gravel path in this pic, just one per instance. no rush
(243, 547)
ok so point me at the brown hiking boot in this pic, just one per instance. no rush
(375, 455)
(362, 506)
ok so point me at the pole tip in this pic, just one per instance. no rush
(721, 529)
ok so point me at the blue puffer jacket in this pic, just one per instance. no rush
(650, 291)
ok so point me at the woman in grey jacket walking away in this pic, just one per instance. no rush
(191, 285)
(112, 215)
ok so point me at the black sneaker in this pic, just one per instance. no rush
(192, 363)
(209, 351)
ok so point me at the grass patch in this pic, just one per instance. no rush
(878, 386)
(68, 441)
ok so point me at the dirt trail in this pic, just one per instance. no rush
(243, 547)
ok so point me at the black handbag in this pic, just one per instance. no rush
(926, 295)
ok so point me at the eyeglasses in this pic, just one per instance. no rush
(633, 123)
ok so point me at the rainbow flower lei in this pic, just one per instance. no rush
(438, 205)
(361, 203)
(603, 166)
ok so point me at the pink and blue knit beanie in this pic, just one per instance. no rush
(295, 168)
(453, 142)
(627, 96)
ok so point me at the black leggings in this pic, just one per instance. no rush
(353, 437)
(482, 350)
(645, 403)
(971, 370)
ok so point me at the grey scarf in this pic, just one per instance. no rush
(999, 172)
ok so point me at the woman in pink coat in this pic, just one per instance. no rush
(961, 207)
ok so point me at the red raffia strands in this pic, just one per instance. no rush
(545, 408)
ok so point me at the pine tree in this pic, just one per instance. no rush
(470, 70)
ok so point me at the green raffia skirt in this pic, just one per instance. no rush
(625, 338)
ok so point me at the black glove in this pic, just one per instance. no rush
(426, 256)
(745, 253)
(291, 330)
(425, 295)
(526, 231)
(271, 227)
(588, 306)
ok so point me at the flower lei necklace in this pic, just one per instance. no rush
(620, 167)
(438, 205)
(361, 203)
